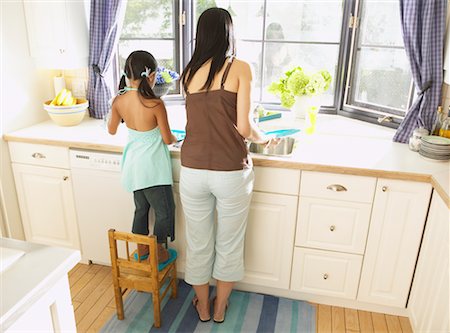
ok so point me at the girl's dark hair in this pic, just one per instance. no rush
(214, 40)
(136, 63)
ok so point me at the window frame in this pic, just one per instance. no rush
(185, 36)
(380, 116)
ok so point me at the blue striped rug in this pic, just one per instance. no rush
(247, 312)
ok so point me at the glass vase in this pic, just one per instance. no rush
(303, 104)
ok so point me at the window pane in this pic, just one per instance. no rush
(280, 57)
(305, 20)
(162, 50)
(247, 16)
(147, 19)
(251, 53)
(380, 23)
(382, 78)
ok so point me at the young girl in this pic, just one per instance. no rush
(146, 163)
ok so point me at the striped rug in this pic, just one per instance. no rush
(247, 312)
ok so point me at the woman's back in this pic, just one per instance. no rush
(212, 140)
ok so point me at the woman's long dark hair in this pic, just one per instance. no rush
(136, 63)
(214, 40)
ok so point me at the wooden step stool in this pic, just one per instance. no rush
(141, 275)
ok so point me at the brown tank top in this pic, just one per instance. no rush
(212, 140)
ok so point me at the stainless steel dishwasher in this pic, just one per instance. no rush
(100, 201)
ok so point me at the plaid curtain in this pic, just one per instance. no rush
(423, 27)
(105, 25)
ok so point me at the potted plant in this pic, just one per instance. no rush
(296, 89)
(165, 79)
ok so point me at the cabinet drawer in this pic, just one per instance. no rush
(42, 155)
(326, 273)
(337, 186)
(277, 180)
(332, 225)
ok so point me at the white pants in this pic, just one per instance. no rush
(215, 250)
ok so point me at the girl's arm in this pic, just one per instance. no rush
(163, 124)
(114, 119)
(245, 124)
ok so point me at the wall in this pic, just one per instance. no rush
(23, 89)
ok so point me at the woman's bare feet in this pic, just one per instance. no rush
(202, 309)
(220, 309)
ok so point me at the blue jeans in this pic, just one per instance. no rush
(161, 199)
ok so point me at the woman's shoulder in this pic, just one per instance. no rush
(242, 67)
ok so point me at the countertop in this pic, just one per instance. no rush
(31, 276)
(340, 145)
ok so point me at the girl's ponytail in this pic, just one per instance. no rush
(145, 90)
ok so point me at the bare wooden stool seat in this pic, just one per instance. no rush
(141, 275)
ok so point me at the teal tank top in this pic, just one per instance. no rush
(146, 161)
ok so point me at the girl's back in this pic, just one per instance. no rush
(138, 114)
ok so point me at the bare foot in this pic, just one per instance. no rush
(163, 254)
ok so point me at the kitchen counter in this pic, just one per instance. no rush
(30, 278)
(340, 145)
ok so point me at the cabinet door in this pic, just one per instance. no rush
(269, 240)
(395, 231)
(57, 33)
(47, 205)
(429, 302)
(180, 232)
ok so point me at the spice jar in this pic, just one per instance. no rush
(416, 138)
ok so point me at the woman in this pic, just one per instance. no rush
(216, 169)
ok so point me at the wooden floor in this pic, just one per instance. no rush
(93, 302)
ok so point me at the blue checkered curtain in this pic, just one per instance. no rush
(423, 27)
(105, 25)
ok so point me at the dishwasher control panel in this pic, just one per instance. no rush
(85, 159)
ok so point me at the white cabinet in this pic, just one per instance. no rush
(58, 33)
(396, 227)
(429, 301)
(269, 240)
(52, 312)
(45, 194)
(333, 220)
(326, 273)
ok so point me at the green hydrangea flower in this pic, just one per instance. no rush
(287, 100)
(297, 82)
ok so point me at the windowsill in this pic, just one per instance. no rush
(327, 124)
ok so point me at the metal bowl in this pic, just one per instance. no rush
(284, 147)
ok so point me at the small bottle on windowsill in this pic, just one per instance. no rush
(440, 118)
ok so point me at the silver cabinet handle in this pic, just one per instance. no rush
(325, 276)
(336, 188)
(65, 178)
(384, 188)
(332, 228)
(38, 155)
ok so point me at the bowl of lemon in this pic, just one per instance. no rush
(66, 110)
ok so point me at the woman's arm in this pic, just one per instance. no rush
(163, 124)
(245, 124)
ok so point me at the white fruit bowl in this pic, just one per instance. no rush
(67, 115)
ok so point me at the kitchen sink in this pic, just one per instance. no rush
(284, 148)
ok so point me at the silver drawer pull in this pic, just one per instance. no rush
(65, 178)
(325, 276)
(384, 188)
(38, 155)
(336, 188)
(332, 227)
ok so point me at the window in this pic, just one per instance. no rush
(358, 41)
(152, 26)
(276, 35)
(379, 80)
